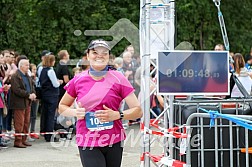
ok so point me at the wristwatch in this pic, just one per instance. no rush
(121, 115)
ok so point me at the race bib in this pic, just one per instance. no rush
(93, 123)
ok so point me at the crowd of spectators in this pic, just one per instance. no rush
(19, 77)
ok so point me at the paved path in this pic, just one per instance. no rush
(65, 154)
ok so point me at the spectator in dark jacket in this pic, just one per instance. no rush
(50, 93)
(22, 94)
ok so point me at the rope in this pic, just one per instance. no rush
(239, 121)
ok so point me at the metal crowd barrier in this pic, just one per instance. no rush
(224, 144)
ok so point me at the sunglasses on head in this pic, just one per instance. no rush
(49, 53)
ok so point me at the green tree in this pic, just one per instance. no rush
(30, 26)
(197, 23)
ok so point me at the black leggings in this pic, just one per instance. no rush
(101, 156)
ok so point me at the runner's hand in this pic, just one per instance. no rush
(107, 114)
(80, 112)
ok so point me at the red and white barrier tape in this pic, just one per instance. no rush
(164, 160)
(170, 132)
(28, 134)
(173, 131)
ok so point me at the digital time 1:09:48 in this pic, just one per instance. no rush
(189, 73)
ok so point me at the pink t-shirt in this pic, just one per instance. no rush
(92, 94)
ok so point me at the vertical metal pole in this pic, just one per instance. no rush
(231, 150)
(202, 141)
(146, 84)
(166, 148)
(246, 146)
(171, 47)
(216, 144)
(142, 43)
(172, 24)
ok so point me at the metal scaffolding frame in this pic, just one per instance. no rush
(163, 34)
(164, 37)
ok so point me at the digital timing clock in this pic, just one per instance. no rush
(190, 73)
(193, 72)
